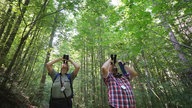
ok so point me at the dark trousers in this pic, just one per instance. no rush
(111, 106)
(60, 103)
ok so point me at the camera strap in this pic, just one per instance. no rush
(122, 68)
(69, 77)
(62, 85)
(125, 73)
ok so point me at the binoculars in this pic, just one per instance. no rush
(113, 57)
(65, 57)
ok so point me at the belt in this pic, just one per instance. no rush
(61, 98)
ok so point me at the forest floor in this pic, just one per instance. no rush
(10, 99)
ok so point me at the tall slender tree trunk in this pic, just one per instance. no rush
(40, 95)
(149, 94)
(186, 75)
(8, 71)
(12, 35)
(102, 89)
(43, 78)
(7, 32)
(86, 92)
(177, 47)
(5, 19)
(93, 76)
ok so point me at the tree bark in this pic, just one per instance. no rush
(177, 47)
(12, 35)
(39, 95)
(5, 20)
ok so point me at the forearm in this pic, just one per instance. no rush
(131, 71)
(106, 64)
(50, 64)
(76, 65)
(105, 68)
(54, 61)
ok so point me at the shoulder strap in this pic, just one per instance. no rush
(122, 68)
(69, 77)
(64, 91)
(51, 87)
(56, 76)
(125, 73)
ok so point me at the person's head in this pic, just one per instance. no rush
(113, 68)
(64, 68)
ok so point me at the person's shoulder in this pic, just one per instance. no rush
(71, 75)
(53, 72)
(108, 75)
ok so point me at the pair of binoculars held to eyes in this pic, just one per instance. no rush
(113, 57)
(65, 58)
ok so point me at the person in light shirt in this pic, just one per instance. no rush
(61, 91)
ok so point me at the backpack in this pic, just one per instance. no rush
(69, 77)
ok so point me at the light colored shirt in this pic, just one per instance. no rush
(56, 86)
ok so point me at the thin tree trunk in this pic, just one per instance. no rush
(5, 20)
(8, 31)
(25, 60)
(22, 42)
(149, 102)
(11, 38)
(93, 77)
(40, 95)
(86, 92)
(186, 75)
(177, 47)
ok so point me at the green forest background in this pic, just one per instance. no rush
(153, 36)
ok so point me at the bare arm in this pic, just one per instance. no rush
(105, 68)
(49, 65)
(131, 71)
(77, 67)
